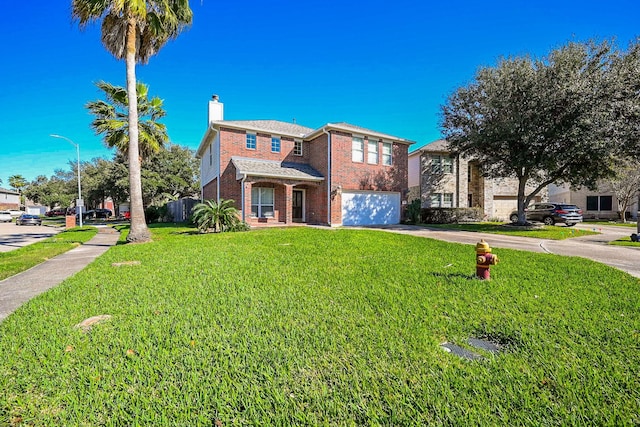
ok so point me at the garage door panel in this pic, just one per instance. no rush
(370, 208)
(503, 207)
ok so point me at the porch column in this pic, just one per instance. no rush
(246, 202)
(288, 203)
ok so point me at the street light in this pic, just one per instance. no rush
(79, 202)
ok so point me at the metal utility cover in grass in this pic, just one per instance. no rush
(484, 345)
(460, 351)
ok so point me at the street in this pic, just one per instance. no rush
(14, 236)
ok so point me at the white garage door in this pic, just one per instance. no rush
(370, 208)
(502, 207)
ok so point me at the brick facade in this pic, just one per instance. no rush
(322, 196)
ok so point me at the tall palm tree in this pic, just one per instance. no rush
(134, 30)
(112, 119)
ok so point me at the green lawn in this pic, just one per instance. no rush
(625, 241)
(22, 259)
(541, 232)
(306, 326)
(631, 224)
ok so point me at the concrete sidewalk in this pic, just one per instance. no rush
(18, 289)
(593, 247)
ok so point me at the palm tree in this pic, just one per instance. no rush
(218, 217)
(112, 119)
(17, 182)
(134, 30)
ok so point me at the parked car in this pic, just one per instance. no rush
(102, 213)
(28, 219)
(15, 213)
(86, 214)
(56, 212)
(5, 216)
(551, 213)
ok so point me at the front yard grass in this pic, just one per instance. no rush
(306, 326)
(625, 241)
(540, 232)
(631, 224)
(24, 258)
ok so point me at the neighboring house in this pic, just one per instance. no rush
(36, 209)
(9, 199)
(599, 204)
(281, 173)
(439, 179)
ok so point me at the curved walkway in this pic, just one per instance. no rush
(18, 289)
(593, 247)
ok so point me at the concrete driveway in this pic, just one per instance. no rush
(593, 247)
(14, 236)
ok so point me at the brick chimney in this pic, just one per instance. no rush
(216, 109)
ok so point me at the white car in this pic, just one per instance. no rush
(15, 213)
(5, 216)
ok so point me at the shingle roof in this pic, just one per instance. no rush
(441, 145)
(275, 169)
(347, 127)
(270, 126)
(4, 190)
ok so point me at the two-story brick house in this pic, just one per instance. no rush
(280, 173)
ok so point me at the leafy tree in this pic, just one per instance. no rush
(169, 174)
(177, 171)
(94, 185)
(543, 120)
(60, 190)
(112, 119)
(218, 217)
(626, 184)
(134, 30)
(625, 111)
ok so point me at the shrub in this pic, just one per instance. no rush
(151, 214)
(158, 214)
(413, 211)
(451, 215)
(218, 217)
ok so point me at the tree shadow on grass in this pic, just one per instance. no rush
(455, 275)
(190, 233)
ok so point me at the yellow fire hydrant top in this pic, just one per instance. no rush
(482, 247)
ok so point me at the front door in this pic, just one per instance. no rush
(298, 206)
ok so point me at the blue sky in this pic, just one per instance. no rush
(384, 65)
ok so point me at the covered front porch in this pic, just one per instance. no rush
(279, 193)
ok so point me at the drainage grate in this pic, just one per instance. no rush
(468, 354)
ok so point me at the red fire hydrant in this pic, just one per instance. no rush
(484, 260)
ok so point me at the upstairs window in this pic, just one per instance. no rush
(297, 148)
(275, 144)
(447, 165)
(442, 164)
(357, 149)
(251, 141)
(436, 164)
(386, 153)
(372, 152)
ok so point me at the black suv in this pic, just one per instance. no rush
(550, 213)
